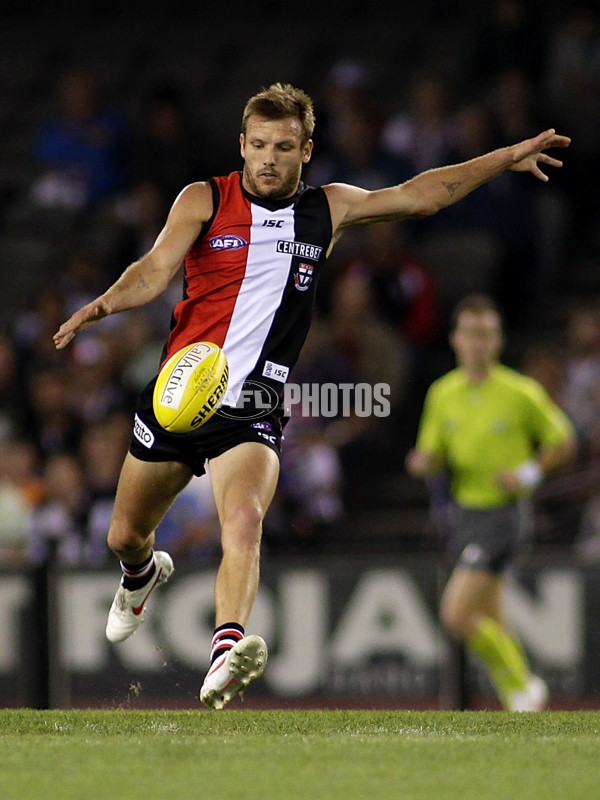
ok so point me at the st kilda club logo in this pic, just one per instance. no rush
(303, 277)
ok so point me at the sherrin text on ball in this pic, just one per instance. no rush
(190, 387)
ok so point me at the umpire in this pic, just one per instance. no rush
(496, 433)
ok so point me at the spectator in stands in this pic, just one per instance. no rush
(517, 111)
(59, 523)
(14, 410)
(346, 86)
(581, 394)
(56, 428)
(545, 362)
(309, 502)
(309, 505)
(84, 276)
(140, 219)
(190, 528)
(505, 211)
(571, 84)
(403, 290)
(572, 77)
(141, 336)
(357, 158)
(82, 148)
(167, 146)
(356, 155)
(102, 449)
(512, 101)
(508, 38)
(32, 328)
(21, 492)
(474, 134)
(422, 134)
(369, 347)
(95, 390)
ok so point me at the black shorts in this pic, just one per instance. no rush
(151, 442)
(491, 539)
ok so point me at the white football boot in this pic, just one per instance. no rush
(127, 611)
(534, 697)
(233, 671)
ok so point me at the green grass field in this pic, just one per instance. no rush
(288, 755)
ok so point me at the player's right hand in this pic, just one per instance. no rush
(86, 316)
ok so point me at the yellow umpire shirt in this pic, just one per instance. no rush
(479, 429)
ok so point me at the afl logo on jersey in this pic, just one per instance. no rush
(228, 242)
(303, 277)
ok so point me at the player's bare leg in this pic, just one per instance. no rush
(145, 492)
(244, 481)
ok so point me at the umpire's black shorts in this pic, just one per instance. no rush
(151, 442)
(491, 539)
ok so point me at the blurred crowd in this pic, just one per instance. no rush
(104, 179)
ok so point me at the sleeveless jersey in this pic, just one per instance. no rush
(250, 281)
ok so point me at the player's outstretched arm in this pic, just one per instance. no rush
(431, 191)
(147, 278)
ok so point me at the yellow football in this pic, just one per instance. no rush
(190, 387)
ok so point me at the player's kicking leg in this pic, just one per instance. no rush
(129, 605)
(145, 492)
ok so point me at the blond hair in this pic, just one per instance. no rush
(280, 101)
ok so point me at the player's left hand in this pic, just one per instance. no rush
(528, 155)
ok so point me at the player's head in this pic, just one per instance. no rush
(275, 142)
(281, 101)
(476, 332)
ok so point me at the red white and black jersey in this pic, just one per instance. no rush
(250, 281)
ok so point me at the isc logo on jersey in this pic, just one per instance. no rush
(190, 387)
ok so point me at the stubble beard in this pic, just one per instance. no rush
(287, 188)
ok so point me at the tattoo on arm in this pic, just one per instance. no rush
(451, 187)
(142, 283)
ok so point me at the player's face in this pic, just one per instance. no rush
(477, 339)
(273, 156)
